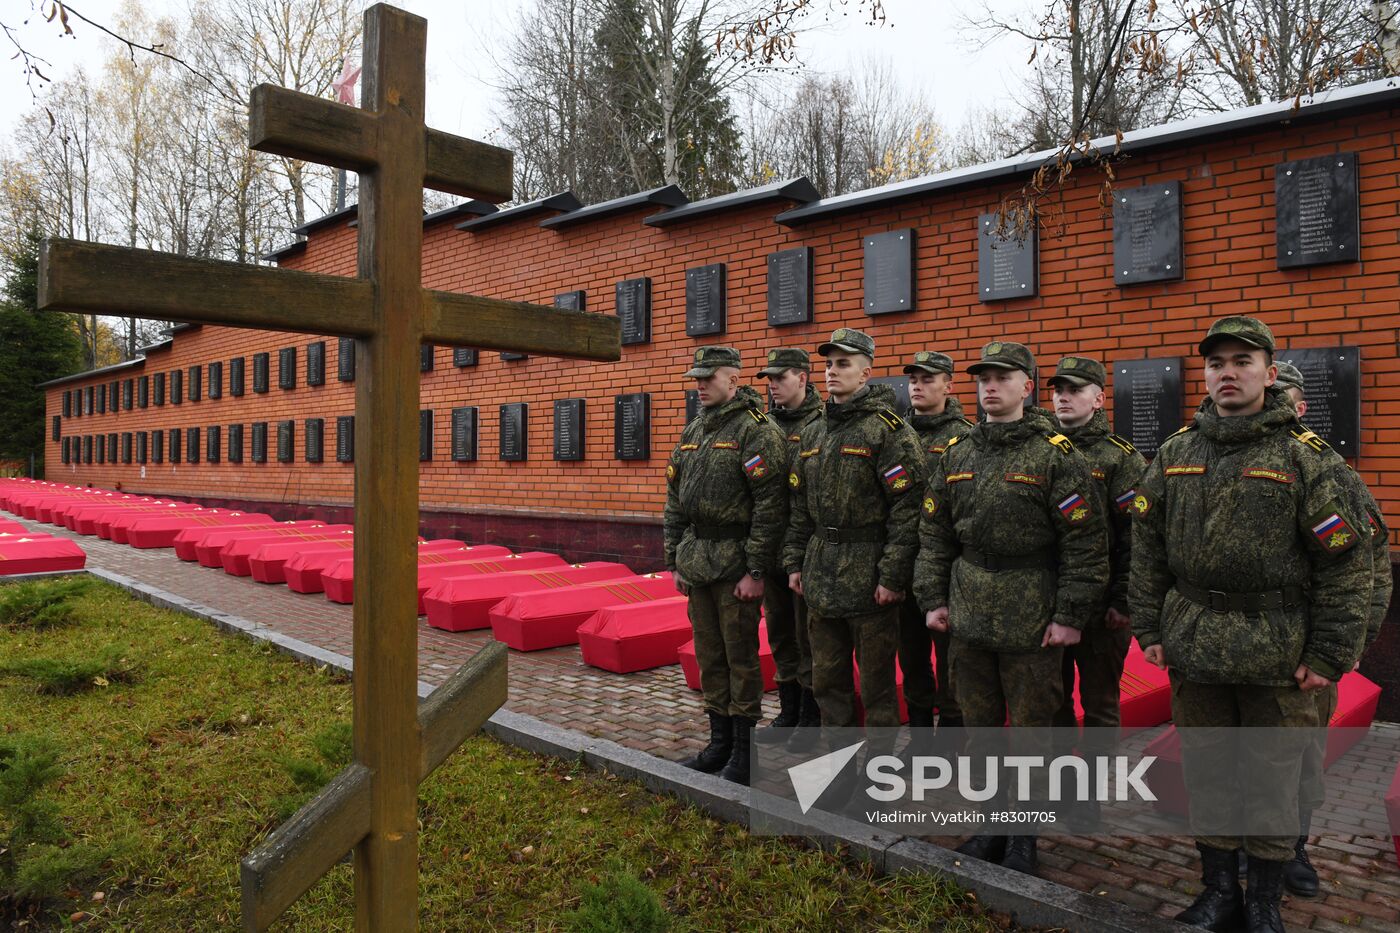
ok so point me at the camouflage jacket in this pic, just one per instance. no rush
(1382, 582)
(1008, 491)
(860, 471)
(726, 500)
(792, 421)
(935, 431)
(1116, 467)
(1245, 504)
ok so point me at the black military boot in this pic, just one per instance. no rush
(1299, 876)
(714, 756)
(920, 731)
(1020, 854)
(1220, 906)
(737, 768)
(789, 706)
(1262, 897)
(809, 721)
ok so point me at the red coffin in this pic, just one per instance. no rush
(269, 562)
(551, 618)
(11, 528)
(1392, 811)
(339, 579)
(303, 572)
(83, 516)
(623, 639)
(458, 604)
(1357, 698)
(118, 527)
(1144, 694)
(40, 555)
(188, 539)
(150, 531)
(55, 509)
(209, 549)
(690, 667)
(234, 556)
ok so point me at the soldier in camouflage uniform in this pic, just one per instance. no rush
(726, 512)
(1249, 586)
(1116, 467)
(795, 405)
(850, 547)
(1012, 563)
(1299, 877)
(937, 417)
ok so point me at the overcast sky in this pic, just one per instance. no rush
(922, 43)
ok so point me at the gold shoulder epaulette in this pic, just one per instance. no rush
(970, 424)
(1060, 441)
(1189, 427)
(758, 416)
(951, 441)
(892, 421)
(1123, 444)
(1304, 436)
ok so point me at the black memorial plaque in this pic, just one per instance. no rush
(126, 446)
(236, 381)
(259, 441)
(315, 440)
(692, 405)
(514, 434)
(287, 368)
(157, 446)
(1147, 400)
(632, 426)
(177, 386)
(790, 286)
(568, 429)
(286, 437)
(100, 444)
(463, 356)
(235, 443)
(425, 435)
(192, 445)
(213, 443)
(175, 437)
(345, 360)
(87, 448)
(216, 380)
(571, 301)
(515, 356)
(142, 447)
(88, 405)
(705, 300)
(114, 395)
(261, 364)
(316, 363)
(1332, 377)
(1147, 233)
(345, 439)
(113, 442)
(1006, 262)
(464, 433)
(425, 358)
(1318, 211)
(101, 389)
(67, 403)
(143, 392)
(889, 272)
(196, 383)
(57, 427)
(900, 384)
(66, 450)
(634, 310)
(158, 388)
(129, 394)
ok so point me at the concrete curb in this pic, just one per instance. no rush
(1029, 901)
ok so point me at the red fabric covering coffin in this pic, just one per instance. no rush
(209, 548)
(82, 515)
(690, 667)
(118, 527)
(11, 528)
(303, 572)
(234, 556)
(637, 637)
(1144, 694)
(32, 507)
(39, 555)
(1392, 811)
(269, 562)
(459, 604)
(550, 618)
(1357, 698)
(188, 539)
(339, 579)
(53, 507)
(151, 531)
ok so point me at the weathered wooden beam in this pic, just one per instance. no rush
(493, 324)
(92, 278)
(299, 126)
(469, 168)
(308, 845)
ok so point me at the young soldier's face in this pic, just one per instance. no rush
(1236, 377)
(1075, 405)
(718, 388)
(788, 389)
(1001, 391)
(845, 374)
(928, 392)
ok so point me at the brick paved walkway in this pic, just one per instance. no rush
(654, 711)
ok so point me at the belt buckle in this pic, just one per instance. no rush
(832, 534)
(1218, 601)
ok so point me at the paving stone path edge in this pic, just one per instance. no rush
(1027, 900)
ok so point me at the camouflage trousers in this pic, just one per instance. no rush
(1098, 658)
(1312, 791)
(915, 658)
(785, 615)
(1255, 782)
(726, 648)
(994, 685)
(874, 640)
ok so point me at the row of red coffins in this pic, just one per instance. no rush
(23, 550)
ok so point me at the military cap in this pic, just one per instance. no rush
(1079, 371)
(930, 361)
(848, 340)
(1247, 330)
(1290, 378)
(709, 359)
(1003, 354)
(785, 358)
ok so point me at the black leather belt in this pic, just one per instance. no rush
(1286, 597)
(720, 532)
(866, 534)
(996, 563)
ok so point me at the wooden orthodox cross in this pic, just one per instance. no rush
(371, 806)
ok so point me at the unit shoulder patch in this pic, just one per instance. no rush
(1074, 509)
(1186, 469)
(1122, 443)
(1333, 533)
(1060, 441)
(1030, 479)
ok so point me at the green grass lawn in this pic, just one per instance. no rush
(182, 748)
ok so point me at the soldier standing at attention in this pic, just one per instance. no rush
(937, 418)
(795, 405)
(1012, 562)
(1249, 588)
(850, 547)
(726, 512)
(1116, 467)
(1299, 876)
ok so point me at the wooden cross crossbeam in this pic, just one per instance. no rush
(372, 805)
